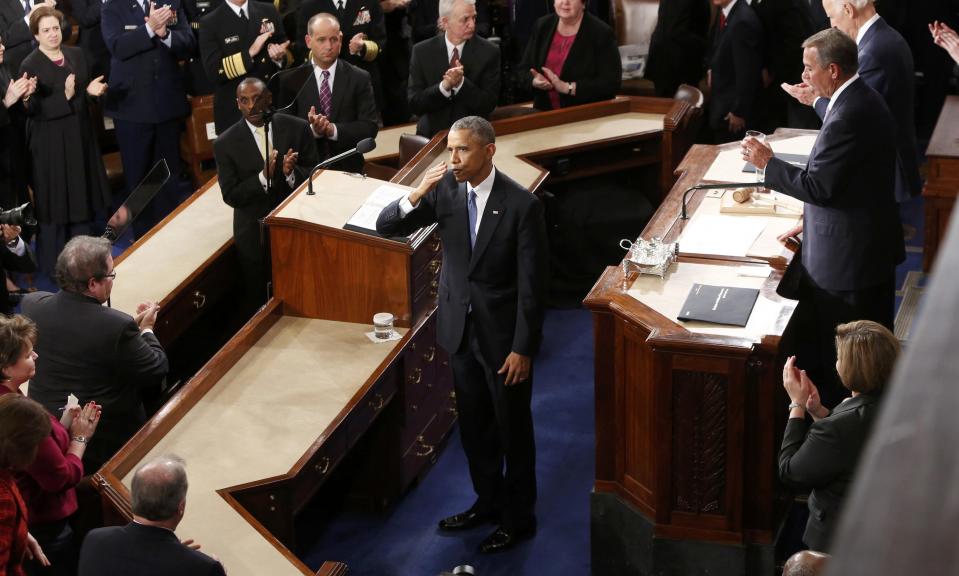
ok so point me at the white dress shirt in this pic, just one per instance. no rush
(291, 179)
(449, 56)
(832, 99)
(864, 27)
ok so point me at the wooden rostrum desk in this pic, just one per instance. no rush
(266, 421)
(689, 416)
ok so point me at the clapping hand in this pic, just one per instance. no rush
(813, 402)
(946, 38)
(452, 77)
(147, 315)
(356, 43)
(85, 420)
(258, 44)
(795, 382)
(97, 87)
(21, 88)
(555, 81)
(540, 82)
(322, 127)
(270, 167)
(70, 86)
(10, 232)
(278, 51)
(159, 18)
(289, 162)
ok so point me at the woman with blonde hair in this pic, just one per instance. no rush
(821, 455)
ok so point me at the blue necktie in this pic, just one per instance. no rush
(471, 210)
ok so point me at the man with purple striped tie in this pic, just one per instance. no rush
(334, 96)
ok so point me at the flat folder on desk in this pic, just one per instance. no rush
(719, 304)
(799, 160)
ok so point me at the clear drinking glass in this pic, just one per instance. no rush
(760, 172)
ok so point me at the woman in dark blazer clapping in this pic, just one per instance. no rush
(821, 456)
(571, 58)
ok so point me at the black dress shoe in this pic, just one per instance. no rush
(465, 520)
(503, 539)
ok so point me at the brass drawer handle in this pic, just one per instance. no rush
(434, 266)
(323, 466)
(423, 449)
(430, 355)
(435, 245)
(199, 299)
(416, 376)
(377, 402)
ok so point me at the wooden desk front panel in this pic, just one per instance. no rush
(942, 183)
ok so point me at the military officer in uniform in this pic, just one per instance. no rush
(197, 84)
(238, 39)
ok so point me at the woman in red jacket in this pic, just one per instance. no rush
(24, 424)
(47, 485)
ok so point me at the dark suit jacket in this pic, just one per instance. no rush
(13, 263)
(142, 550)
(224, 48)
(678, 45)
(823, 457)
(593, 62)
(87, 13)
(477, 96)
(503, 278)
(885, 64)
(352, 109)
(238, 165)
(95, 353)
(736, 61)
(852, 237)
(146, 84)
(17, 38)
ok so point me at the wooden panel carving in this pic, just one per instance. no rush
(699, 442)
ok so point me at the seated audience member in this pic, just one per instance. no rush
(15, 256)
(946, 38)
(822, 456)
(48, 485)
(69, 182)
(334, 96)
(571, 58)
(454, 74)
(24, 425)
(806, 563)
(148, 546)
(94, 352)
(734, 75)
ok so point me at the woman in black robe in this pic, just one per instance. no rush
(69, 182)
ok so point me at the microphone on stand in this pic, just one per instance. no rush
(721, 186)
(362, 147)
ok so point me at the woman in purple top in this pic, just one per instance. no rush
(571, 58)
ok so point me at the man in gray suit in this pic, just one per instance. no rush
(96, 353)
(851, 243)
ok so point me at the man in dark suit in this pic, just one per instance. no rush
(146, 98)
(735, 70)
(678, 45)
(96, 353)
(364, 30)
(195, 78)
(491, 294)
(334, 96)
(253, 186)
(239, 39)
(148, 546)
(852, 240)
(885, 64)
(454, 74)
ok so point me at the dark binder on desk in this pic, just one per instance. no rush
(719, 304)
(799, 160)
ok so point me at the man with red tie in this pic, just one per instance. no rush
(455, 74)
(735, 70)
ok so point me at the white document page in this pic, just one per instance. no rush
(728, 165)
(720, 235)
(367, 214)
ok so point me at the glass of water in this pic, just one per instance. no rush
(760, 172)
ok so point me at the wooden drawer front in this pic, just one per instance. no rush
(320, 466)
(199, 296)
(424, 449)
(429, 250)
(419, 364)
(372, 403)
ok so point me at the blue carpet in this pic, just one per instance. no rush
(405, 540)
